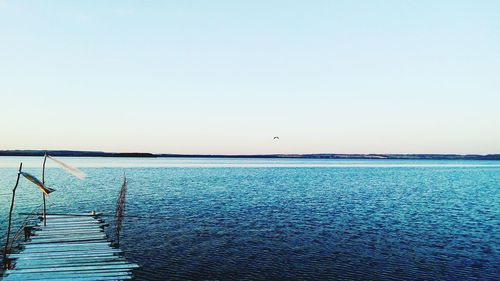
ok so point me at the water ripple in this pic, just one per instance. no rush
(349, 223)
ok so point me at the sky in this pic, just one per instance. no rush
(225, 77)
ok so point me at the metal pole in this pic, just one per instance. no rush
(10, 217)
(43, 194)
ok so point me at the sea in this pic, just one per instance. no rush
(283, 219)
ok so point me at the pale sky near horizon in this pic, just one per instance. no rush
(227, 76)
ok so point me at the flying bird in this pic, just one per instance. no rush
(276, 138)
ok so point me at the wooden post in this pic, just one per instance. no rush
(43, 194)
(120, 208)
(5, 249)
(27, 232)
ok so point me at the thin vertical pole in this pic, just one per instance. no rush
(43, 194)
(10, 216)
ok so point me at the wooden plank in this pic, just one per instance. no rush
(76, 218)
(77, 268)
(68, 278)
(62, 245)
(72, 252)
(72, 277)
(59, 228)
(72, 222)
(74, 215)
(28, 245)
(60, 248)
(62, 232)
(69, 264)
(21, 263)
(68, 235)
(60, 222)
(68, 254)
(53, 227)
(80, 271)
(78, 239)
(98, 278)
(67, 220)
(70, 219)
(67, 259)
(63, 221)
(69, 228)
(38, 276)
(102, 243)
(90, 255)
(27, 265)
(69, 250)
(58, 241)
(65, 230)
(72, 225)
(58, 225)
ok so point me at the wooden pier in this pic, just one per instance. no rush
(69, 247)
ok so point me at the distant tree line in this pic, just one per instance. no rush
(76, 153)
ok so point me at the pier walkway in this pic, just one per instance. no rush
(69, 247)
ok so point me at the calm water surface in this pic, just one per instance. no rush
(254, 219)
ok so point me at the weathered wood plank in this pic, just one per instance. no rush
(70, 275)
(99, 278)
(70, 222)
(93, 256)
(69, 251)
(67, 236)
(75, 225)
(59, 228)
(62, 245)
(64, 233)
(50, 219)
(68, 254)
(71, 216)
(66, 224)
(68, 239)
(77, 268)
(69, 264)
(24, 263)
(70, 234)
(74, 215)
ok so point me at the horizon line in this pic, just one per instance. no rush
(93, 153)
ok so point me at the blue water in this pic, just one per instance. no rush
(286, 219)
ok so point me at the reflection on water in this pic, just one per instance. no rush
(207, 219)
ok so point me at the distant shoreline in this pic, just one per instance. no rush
(76, 153)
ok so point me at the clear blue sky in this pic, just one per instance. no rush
(227, 76)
